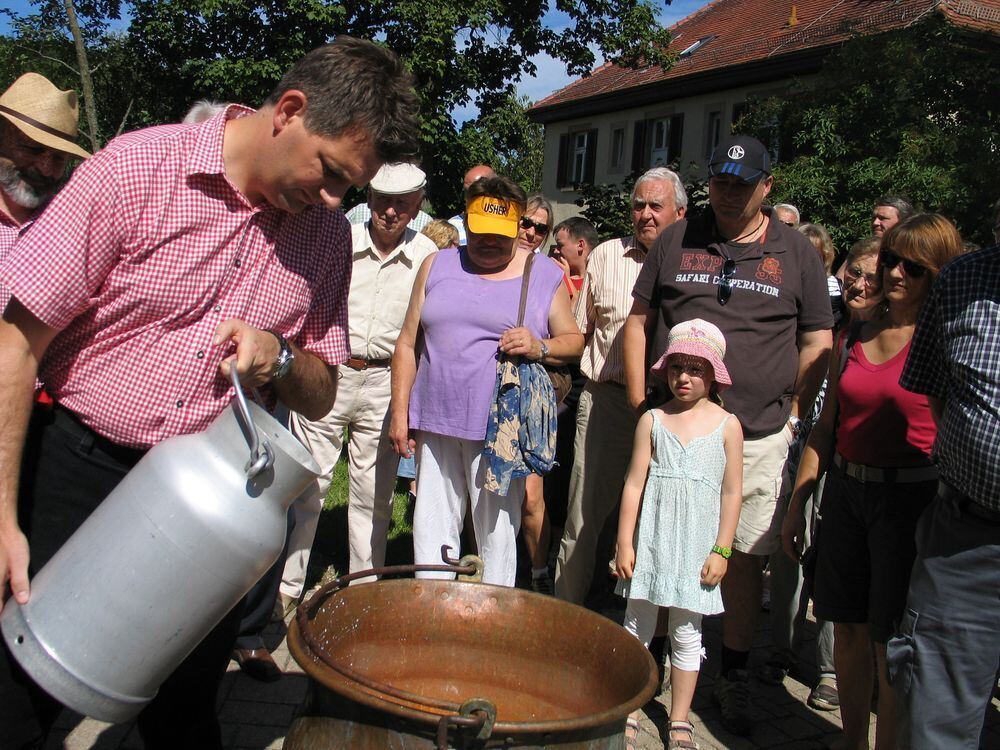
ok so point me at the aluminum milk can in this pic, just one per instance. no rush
(159, 563)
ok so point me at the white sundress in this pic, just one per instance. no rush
(679, 521)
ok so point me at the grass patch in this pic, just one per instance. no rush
(330, 546)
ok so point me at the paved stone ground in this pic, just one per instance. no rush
(255, 716)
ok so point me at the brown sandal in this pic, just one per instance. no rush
(686, 727)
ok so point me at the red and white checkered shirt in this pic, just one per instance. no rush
(9, 232)
(141, 256)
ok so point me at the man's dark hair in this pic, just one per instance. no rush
(498, 187)
(355, 84)
(903, 207)
(578, 228)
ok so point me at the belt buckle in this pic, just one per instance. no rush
(861, 474)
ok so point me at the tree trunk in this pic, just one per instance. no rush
(86, 82)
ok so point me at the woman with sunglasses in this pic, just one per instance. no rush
(534, 228)
(876, 439)
(536, 224)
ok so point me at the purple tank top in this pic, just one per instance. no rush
(461, 321)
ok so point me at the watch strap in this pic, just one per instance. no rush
(725, 552)
(285, 357)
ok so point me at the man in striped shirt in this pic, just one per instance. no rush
(601, 457)
(174, 254)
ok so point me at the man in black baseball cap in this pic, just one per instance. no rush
(764, 286)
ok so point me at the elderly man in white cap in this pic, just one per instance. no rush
(38, 133)
(387, 254)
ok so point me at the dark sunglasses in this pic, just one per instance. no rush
(889, 259)
(527, 223)
(725, 285)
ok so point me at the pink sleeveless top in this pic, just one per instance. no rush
(881, 424)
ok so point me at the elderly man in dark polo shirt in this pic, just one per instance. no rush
(763, 284)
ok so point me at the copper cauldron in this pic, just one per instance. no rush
(436, 663)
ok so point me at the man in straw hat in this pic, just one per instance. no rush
(37, 137)
(171, 256)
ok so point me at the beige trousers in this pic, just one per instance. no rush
(362, 408)
(605, 429)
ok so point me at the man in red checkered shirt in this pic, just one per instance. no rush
(172, 255)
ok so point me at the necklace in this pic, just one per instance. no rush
(744, 236)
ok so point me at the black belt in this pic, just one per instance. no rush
(360, 363)
(885, 475)
(90, 441)
(966, 504)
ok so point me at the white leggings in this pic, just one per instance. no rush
(685, 632)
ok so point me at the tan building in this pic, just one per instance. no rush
(617, 121)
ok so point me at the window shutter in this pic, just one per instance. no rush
(639, 154)
(676, 137)
(590, 159)
(562, 162)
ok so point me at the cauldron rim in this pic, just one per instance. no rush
(330, 678)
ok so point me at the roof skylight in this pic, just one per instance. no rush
(697, 46)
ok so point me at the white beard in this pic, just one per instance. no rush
(18, 190)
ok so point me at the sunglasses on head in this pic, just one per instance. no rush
(527, 223)
(889, 259)
(725, 285)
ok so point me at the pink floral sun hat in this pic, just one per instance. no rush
(698, 338)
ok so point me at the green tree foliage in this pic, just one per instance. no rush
(508, 141)
(912, 112)
(177, 51)
(460, 52)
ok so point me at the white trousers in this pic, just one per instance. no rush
(449, 471)
(686, 651)
(362, 407)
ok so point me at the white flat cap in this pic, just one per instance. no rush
(394, 179)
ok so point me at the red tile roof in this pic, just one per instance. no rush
(757, 30)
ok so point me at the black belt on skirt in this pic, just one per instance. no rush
(69, 422)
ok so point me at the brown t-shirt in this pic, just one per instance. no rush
(779, 290)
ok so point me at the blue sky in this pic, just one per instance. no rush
(551, 74)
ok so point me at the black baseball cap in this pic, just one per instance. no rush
(742, 156)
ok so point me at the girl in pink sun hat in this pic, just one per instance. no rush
(684, 487)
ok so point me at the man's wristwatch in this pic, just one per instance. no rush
(545, 350)
(726, 552)
(283, 364)
(796, 424)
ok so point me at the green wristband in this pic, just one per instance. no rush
(726, 552)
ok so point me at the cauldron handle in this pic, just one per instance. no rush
(476, 713)
(261, 455)
(468, 568)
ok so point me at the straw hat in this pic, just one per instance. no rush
(43, 113)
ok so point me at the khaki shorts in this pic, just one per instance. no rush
(759, 529)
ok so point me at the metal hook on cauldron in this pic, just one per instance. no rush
(476, 713)
(261, 454)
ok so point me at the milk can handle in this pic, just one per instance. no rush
(261, 455)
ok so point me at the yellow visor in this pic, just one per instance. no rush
(488, 215)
